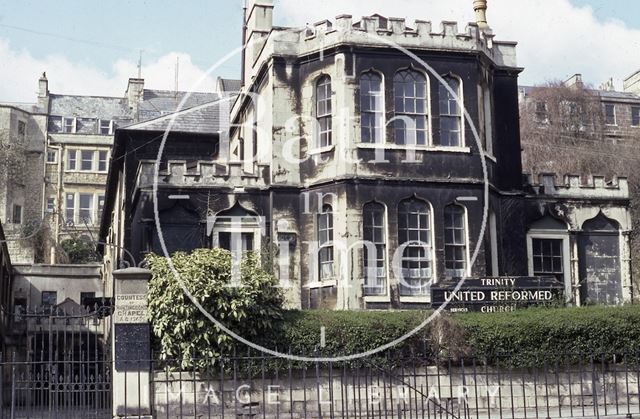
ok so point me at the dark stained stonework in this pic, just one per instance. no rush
(246, 169)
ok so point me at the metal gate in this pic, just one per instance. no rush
(57, 365)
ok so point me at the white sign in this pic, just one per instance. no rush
(131, 308)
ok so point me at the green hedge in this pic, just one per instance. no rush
(532, 333)
(522, 337)
(348, 332)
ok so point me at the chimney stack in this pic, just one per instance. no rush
(575, 81)
(258, 23)
(135, 90)
(480, 7)
(43, 92)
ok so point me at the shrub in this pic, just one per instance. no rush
(251, 310)
(348, 332)
(79, 250)
(565, 332)
(524, 338)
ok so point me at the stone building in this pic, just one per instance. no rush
(377, 158)
(79, 139)
(22, 147)
(618, 118)
(59, 148)
(572, 126)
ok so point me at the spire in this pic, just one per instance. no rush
(480, 7)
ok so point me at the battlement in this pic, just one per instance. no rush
(180, 173)
(381, 30)
(595, 187)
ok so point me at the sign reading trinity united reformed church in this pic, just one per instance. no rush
(490, 295)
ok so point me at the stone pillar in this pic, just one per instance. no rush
(131, 344)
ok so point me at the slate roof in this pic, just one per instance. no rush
(603, 94)
(26, 107)
(156, 103)
(116, 108)
(206, 118)
(229, 85)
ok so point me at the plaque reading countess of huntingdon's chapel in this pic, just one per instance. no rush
(131, 309)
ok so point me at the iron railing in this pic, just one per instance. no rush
(400, 386)
(59, 365)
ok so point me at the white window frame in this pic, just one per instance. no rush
(106, 161)
(426, 298)
(91, 209)
(95, 196)
(74, 214)
(465, 223)
(252, 225)
(72, 152)
(330, 243)
(53, 152)
(110, 129)
(328, 116)
(397, 115)
(81, 160)
(461, 110)
(379, 111)
(566, 255)
(385, 220)
(74, 122)
(95, 160)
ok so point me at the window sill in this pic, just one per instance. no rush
(423, 299)
(416, 147)
(321, 150)
(86, 172)
(322, 284)
(377, 299)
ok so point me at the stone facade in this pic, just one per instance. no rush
(22, 135)
(66, 140)
(308, 184)
(69, 282)
(620, 109)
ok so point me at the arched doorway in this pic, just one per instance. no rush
(599, 260)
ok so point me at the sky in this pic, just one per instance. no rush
(92, 47)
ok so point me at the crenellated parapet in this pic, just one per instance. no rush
(379, 30)
(200, 174)
(573, 186)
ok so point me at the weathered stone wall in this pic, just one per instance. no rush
(369, 392)
(21, 181)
